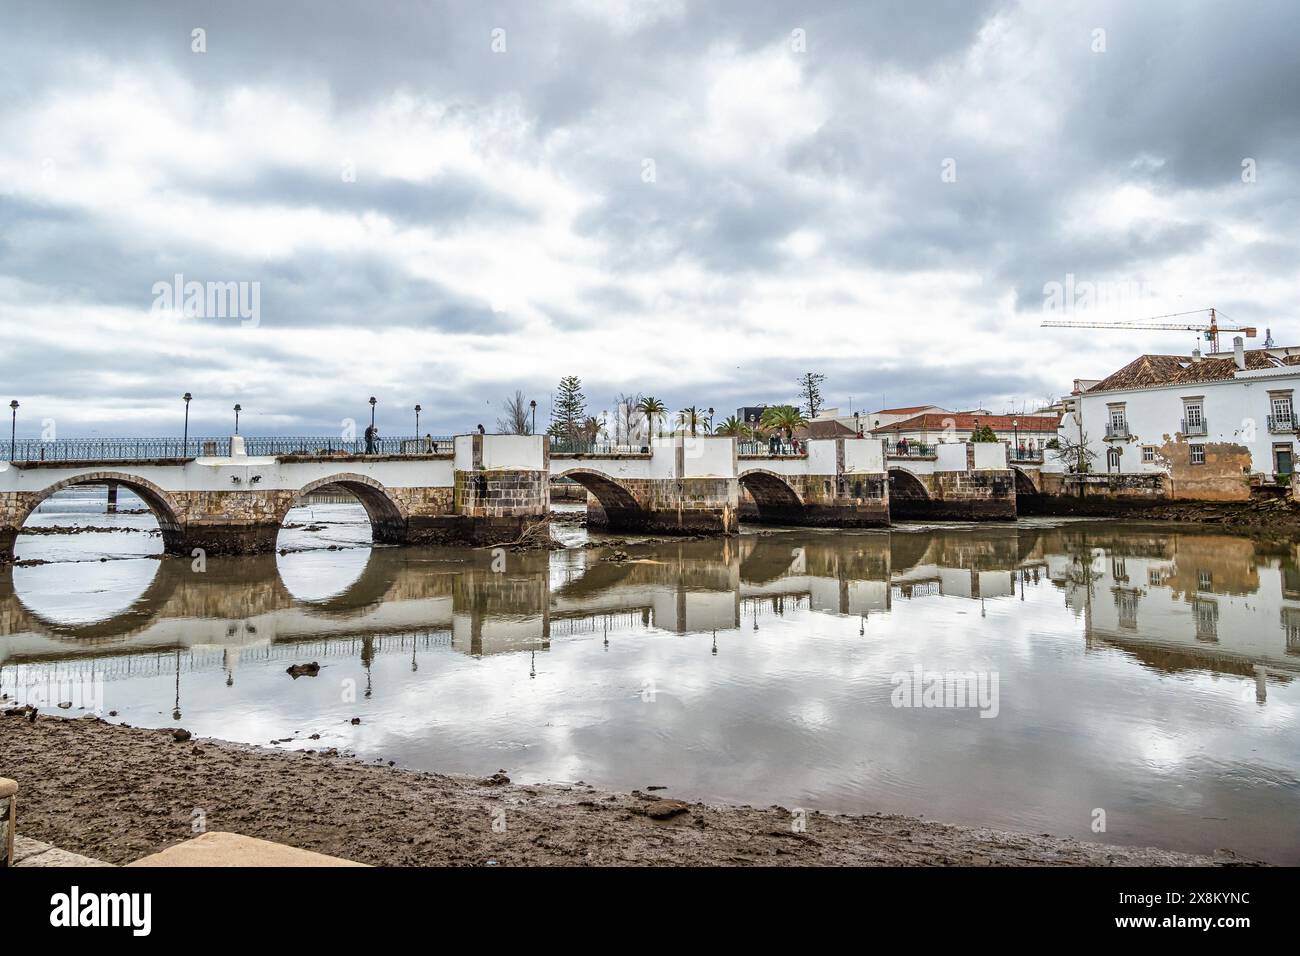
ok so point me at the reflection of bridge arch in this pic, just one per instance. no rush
(387, 514)
(363, 593)
(620, 507)
(159, 502)
(773, 497)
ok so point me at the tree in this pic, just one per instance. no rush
(784, 418)
(653, 410)
(691, 417)
(983, 433)
(627, 416)
(810, 389)
(516, 419)
(570, 408)
(590, 430)
(1076, 456)
(733, 427)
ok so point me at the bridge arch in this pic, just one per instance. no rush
(1025, 483)
(387, 513)
(163, 507)
(617, 502)
(904, 483)
(774, 498)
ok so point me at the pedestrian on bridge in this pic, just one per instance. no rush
(372, 436)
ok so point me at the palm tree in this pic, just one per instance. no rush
(691, 417)
(784, 418)
(733, 427)
(652, 409)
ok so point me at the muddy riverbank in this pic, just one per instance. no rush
(118, 793)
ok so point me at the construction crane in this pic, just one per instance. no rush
(1210, 331)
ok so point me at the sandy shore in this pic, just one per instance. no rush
(119, 793)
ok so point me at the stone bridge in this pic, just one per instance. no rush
(486, 491)
(701, 484)
(959, 480)
(489, 488)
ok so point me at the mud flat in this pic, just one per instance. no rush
(118, 793)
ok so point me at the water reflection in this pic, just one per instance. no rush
(1146, 672)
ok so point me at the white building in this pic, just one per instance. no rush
(1202, 427)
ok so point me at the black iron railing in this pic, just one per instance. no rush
(1026, 454)
(1194, 428)
(1117, 429)
(1281, 423)
(120, 449)
(909, 449)
(565, 446)
(770, 449)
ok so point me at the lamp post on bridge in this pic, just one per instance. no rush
(238, 409)
(185, 435)
(710, 424)
(13, 427)
(533, 406)
(417, 422)
(1015, 437)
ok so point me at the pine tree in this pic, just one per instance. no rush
(811, 391)
(570, 409)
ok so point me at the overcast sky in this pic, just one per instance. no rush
(442, 202)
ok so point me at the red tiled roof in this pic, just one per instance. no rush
(938, 421)
(908, 410)
(824, 429)
(1148, 370)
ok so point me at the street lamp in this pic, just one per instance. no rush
(533, 405)
(1015, 435)
(373, 401)
(185, 438)
(417, 421)
(857, 427)
(238, 409)
(710, 419)
(13, 427)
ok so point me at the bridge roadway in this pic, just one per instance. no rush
(489, 488)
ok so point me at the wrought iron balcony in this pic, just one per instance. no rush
(1194, 428)
(1117, 429)
(1281, 423)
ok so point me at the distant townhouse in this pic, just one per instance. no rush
(1193, 427)
(884, 417)
(1026, 435)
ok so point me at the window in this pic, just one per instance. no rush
(1126, 607)
(1148, 454)
(1282, 408)
(1192, 413)
(1206, 614)
(1198, 454)
(1283, 460)
(1117, 426)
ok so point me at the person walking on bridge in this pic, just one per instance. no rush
(372, 435)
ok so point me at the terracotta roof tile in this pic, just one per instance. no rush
(937, 421)
(1150, 370)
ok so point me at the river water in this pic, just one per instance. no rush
(1047, 677)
